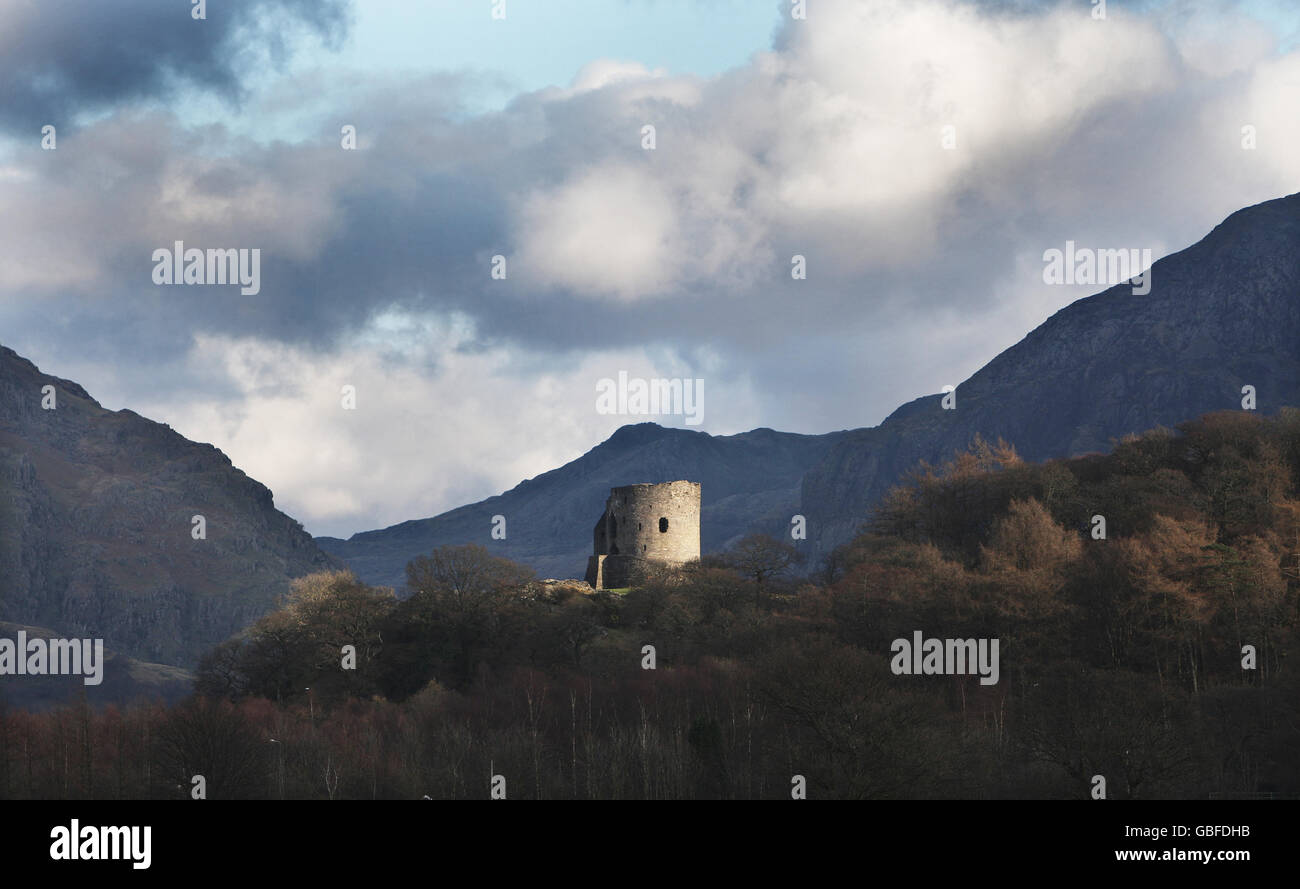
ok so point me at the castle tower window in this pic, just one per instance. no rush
(663, 525)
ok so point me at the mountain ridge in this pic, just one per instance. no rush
(96, 519)
(1090, 343)
(1183, 350)
(557, 509)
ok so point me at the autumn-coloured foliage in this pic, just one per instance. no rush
(1123, 652)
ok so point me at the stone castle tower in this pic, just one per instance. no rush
(644, 524)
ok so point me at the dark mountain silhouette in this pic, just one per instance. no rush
(1222, 314)
(95, 527)
(748, 481)
(96, 506)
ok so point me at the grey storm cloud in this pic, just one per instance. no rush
(60, 58)
(923, 262)
(822, 149)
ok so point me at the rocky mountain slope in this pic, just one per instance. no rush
(96, 506)
(750, 481)
(1222, 314)
(96, 513)
(124, 681)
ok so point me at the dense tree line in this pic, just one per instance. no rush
(1127, 592)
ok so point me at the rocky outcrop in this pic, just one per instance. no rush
(96, 513)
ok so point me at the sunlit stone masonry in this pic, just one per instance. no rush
(641, 525)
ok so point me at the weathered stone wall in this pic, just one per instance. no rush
(614, 572)
(659, 523)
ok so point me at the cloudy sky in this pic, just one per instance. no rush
(522, 137)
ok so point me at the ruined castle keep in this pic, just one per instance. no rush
(644, 524)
